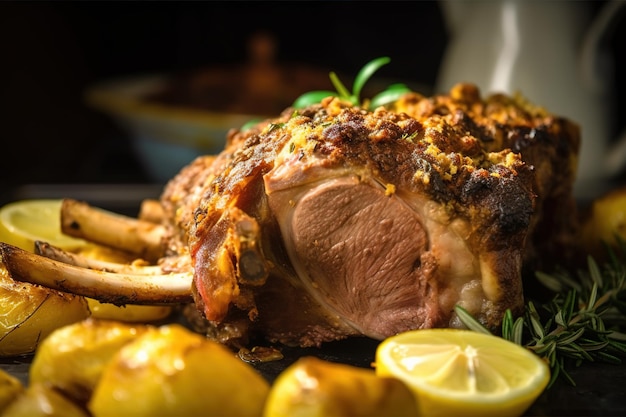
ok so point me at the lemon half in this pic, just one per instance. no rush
(25, 221)
(464, 373)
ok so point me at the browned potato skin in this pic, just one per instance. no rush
(175, 372)
(29, 313)
(72, 359)
(41, 400)
(312, 387)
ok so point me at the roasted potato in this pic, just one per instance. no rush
(312, 387)
(29, 313)
(73, 358)
(605, 222)
(42, 400)
(175, 372)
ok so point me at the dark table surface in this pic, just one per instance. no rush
(600, 388)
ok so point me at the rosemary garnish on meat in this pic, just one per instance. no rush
(389, 95)
(583, 322)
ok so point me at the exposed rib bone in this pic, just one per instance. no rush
(107, 287)
(58, 254)
(139, 237)
(151, 211)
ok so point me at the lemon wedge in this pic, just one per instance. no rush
(463, 373)
(22, 222)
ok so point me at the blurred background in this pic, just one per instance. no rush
(52, 52)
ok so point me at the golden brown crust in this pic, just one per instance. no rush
(497, 164)
(548, 144)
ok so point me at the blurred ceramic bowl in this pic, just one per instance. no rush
(165, 137)
(174, 118)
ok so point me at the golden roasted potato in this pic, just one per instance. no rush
(42, 400)
(29, 313)
(10, 387)
(73, 358)
(606, 220)
(175, 372)
(312, 387)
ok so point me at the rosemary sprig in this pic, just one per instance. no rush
(583, 322)
(389, 95)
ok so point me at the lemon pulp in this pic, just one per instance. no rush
(22, 222)
(463, 373)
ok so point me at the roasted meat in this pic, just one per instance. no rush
(333, 221)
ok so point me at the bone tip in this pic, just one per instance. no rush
(5, 247)
(40, 246)
(8, 252)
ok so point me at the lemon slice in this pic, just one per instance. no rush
(463, 373)
(22, 222)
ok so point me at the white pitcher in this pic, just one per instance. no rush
(554, 54)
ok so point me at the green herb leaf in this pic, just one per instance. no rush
(366, 73)
(518, 331)
(341, 89)
(469, 321)
(507, 325)
(388, 96)
(249, 124)
(312, 97)
(584, 322)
